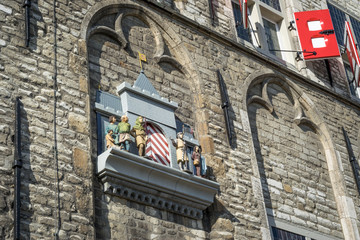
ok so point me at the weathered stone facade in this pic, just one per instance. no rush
(288, 160)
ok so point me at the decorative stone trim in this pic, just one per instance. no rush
(141, 180)
(153, 201)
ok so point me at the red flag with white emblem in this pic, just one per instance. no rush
(316, 34)
(352, 53)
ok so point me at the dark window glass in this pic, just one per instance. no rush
(338, 19)
(241, 31)
(273, 3)
(356, 28)
(272, 37)
(280, 234)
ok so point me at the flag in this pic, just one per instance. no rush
(157, 147)
(316, 35)
(142, 57)
(244, 14)
(352, 53)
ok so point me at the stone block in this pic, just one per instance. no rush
(62, 235)
(81, 161)
(74, 179)
(47, 221)
(223, 225)
(207, 144)
(287, 188)
(82, 47)
(78, 122)
(80, 219)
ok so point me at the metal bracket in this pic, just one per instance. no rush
(27, 6)
(27, 3)
(327, 32)
(291, 26)
(17, 163)
(298, 56)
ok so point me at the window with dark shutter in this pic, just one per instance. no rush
(338, 18)
(273, 3)
(240, 30)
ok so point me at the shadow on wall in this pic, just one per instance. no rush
(214, 10)
(35, 30)
(133, 22)
(98, 80)
(288, 155)
(228, 111)
(28, 203)
(259, 155)
(264, 142)
(318, 68)
(218, 218)
(353, 160)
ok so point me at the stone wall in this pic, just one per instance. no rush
(55, 183)
(277, 165)
(292, 166)
(121, 219)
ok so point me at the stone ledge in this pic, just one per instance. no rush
(138, 179)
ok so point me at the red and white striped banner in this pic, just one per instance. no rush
(352, 53)
(244, 13)
(157, 147)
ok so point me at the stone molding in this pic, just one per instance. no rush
(141, 180)
(306, 113)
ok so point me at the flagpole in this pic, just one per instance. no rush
(142, 57)
(140, 61)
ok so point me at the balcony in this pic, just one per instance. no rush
(141, 180)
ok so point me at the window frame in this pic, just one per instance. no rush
(277, 28)
(250, 33)
(257, 10)
(285, 225)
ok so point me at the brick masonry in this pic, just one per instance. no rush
(61, 195)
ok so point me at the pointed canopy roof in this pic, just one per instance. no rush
(142, 99)
(143, 83)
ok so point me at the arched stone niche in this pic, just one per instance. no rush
(296, 172)
(174, 73)
(115, 33)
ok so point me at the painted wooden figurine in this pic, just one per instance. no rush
(196, 157)
(139, 133)
(124, 133)
(181, 155)
(112, 126)
(110, 141)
